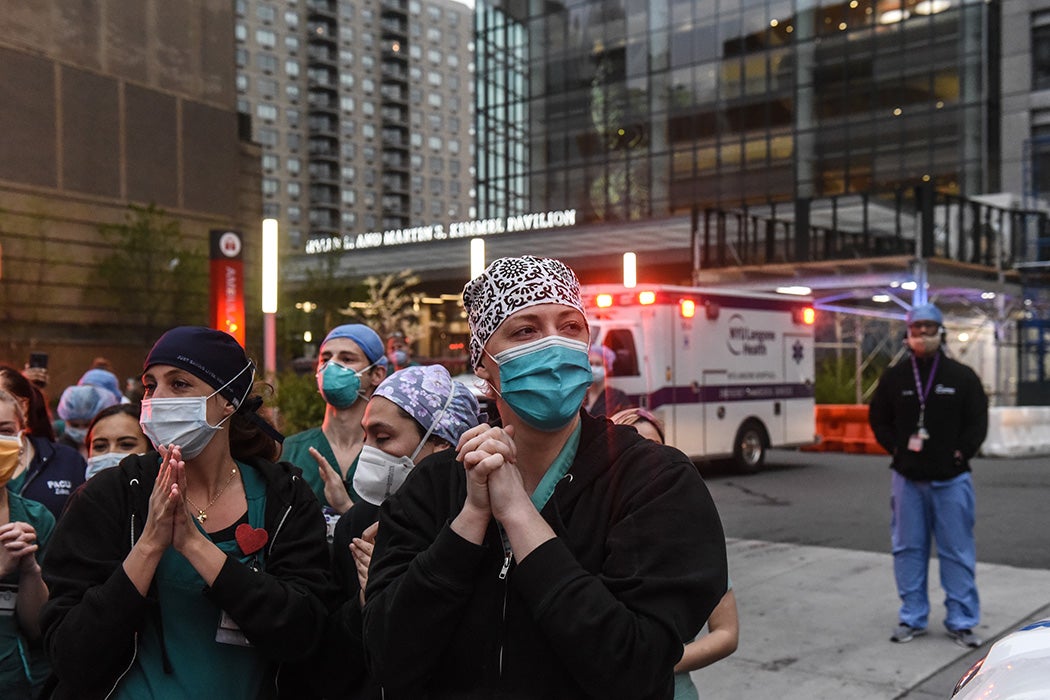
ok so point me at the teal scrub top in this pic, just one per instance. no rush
(22, 668)
(296, 451)
(202, 666)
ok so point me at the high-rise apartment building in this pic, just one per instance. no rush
(363, 109)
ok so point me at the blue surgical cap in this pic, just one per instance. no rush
(103, 379)
(924, 312)
(366, 338)
(83, 402)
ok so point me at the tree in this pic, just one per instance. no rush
(389, 306)
(153, 274)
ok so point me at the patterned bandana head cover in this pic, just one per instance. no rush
(422, 392)
(509, 285)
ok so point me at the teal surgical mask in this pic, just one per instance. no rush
(544, 381)
(340, 385)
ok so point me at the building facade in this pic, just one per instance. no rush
(651, 109)
(363, 110)
(105, 105)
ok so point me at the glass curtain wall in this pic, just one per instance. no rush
(634, 109)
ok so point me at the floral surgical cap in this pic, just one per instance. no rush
(423, 393)
(509, 285)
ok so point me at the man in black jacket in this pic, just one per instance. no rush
(931, 413)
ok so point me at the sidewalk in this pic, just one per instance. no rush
(815, 624)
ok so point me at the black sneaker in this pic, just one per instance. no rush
(965, 638)
(905, 633)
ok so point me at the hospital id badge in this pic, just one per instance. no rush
(8, 599)
(229, 632)
(915, 443)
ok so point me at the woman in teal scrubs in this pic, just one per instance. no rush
(197, 570)
(25, 527)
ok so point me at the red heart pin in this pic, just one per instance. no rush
(250, 539)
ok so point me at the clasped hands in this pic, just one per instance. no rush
(170, 522)
(494, 484)
(18, 550)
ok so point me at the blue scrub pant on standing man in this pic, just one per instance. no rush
(945, 510)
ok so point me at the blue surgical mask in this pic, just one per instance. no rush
(77, 435)
(340, 385)
(97, 463)
(544, 382)
(598, 371)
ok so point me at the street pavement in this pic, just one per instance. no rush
(815, 620)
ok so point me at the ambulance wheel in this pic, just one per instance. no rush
(750, 446)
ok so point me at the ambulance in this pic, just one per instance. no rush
(730, 373)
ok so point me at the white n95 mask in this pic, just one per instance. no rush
(379, 474)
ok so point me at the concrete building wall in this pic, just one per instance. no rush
(105, 105)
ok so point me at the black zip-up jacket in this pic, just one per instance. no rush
(956, 417)
(94, 612)
(599, 611)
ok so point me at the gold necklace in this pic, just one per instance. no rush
(201, 516)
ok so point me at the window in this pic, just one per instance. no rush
(369, 152)
(242, 82)
(270, 162)
(437, 164)
(267, 88)
(415, 74)
(367, 15)
(349, 197)
(292, 91)
(368, 86)
(453, 124)
(417, 184)
(368, 131)
(294, 190)
(368, 62)
(434, 142)
(293, 142)
(348, 173)
(291, 68)
(241, 57)
(453, 83)
(294, 166)
(291, 19)
(294, 214)
(434, 56)
(434, 78)
(269, 186)
(453, 60)
(349, 219)
(621, 342)
(265, 13)
(434, 13)
(295, 238)
(346, 57)
(267, 137)
(292, 116)
(433, 35)
(346, 80)
(265, 38)
(434, 99)
(453, 145)
(267, 112)
(240, 32)
(434, 121)
(346, 103)
(416, 139)
(368, 108)
(370, 201)
(437, 186)
(271, 210)
(292, 44)
(1041, 51)
(414, 7)
(415, 52)
(416, 160)
(436, 207)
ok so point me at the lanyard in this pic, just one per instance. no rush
(929, 385)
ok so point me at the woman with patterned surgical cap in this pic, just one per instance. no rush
(25, 528)
(558, 556)
(197, 570)
(416, 412)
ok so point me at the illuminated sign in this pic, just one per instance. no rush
(440, 232)
(227, 283)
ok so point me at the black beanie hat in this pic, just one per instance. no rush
(210, 355)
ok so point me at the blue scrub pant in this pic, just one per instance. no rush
(944, 509)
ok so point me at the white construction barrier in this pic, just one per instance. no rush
(1017, 431)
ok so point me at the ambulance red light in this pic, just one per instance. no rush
(603, 301)
(646, 298)
(804, 315)
(687, 307)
